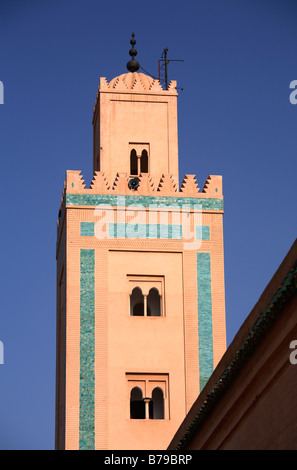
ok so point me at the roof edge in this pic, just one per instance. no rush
(254, 328)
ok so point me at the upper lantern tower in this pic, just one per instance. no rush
(135, 125)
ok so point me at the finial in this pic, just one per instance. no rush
(133, 65)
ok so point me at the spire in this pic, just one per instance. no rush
(133, 65)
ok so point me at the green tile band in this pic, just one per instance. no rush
(204, 318)
(131, 230)
(159, 201)
(87, 350)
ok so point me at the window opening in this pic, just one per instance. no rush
(133, 163)
(147, 396)
(156, 406)
(144, 162)
(136, 303)
(154, 303)
(137, 405)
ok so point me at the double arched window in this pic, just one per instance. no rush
(148, 407)
(138, 163)
(145, 305)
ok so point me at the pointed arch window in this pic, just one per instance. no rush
(154, 303)
(137, 405)
(133, 163)
(156, 406)
(136, 302)
(144, 162)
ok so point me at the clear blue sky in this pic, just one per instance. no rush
(235, 119)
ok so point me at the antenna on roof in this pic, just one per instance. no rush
(163, 69)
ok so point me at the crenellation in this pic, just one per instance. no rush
(74, 181)
(172, 85)
(213, 186)
(155, 86)
(146, 184)
(189, 185)
(136, 81)
(138, 85)
(99, 183)
(166, 185)
(120, 184)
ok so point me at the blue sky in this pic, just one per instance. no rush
(235, 119)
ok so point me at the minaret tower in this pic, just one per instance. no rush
(140, 277)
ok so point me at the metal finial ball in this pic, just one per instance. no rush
(133, 52)
(132, 65)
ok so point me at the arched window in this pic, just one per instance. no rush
(137, 405)
(136, 302)
(144, 162)
(157, 404)
(154, 303)
(133, 163)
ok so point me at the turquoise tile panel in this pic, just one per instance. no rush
(176, 232)
(87, 229)
(87, 350)
(135, 230)
(204, 318)
(130, 230)
(152, 231)
(202, 232)
(145, 201)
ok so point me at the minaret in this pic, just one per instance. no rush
(140, 277)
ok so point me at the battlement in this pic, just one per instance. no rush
(138, 83)
(165, 186)
(164, 190)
